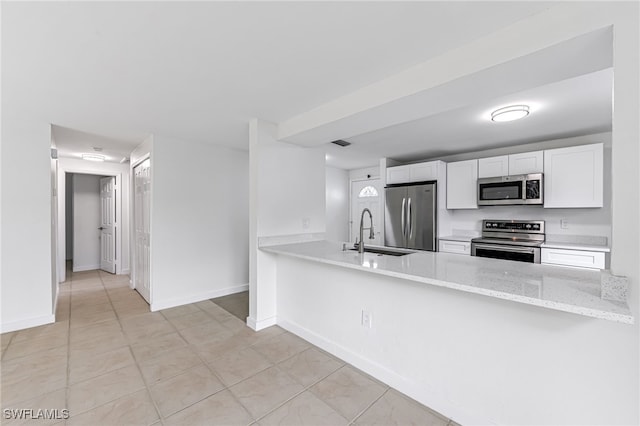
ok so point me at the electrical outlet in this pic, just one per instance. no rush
(367, 319)
(564, 224)
(306, 223)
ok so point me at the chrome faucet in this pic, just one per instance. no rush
(371, 236)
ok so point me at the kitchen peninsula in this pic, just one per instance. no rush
(584, 292)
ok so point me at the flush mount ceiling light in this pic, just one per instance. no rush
(93, 157)
(510, 113)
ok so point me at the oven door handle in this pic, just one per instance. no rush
(505, 248)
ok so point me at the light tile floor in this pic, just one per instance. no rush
(110, 361)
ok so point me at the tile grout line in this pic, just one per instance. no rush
(135, 360)
(305, 389)
(68, 384)
(225, 387)
(109, 372)
(352, 422)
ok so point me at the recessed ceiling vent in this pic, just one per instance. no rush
(342, 143)
(97, 148)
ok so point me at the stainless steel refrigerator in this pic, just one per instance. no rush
(410, 216)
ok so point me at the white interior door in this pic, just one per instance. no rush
(141, 208)
(366, 194)
(108, 224)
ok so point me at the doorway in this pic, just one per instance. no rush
(90, 222)
(366, 194)
(72, 253)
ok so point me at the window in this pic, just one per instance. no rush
(368, 191)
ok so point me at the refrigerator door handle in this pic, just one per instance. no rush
(402, 218)
(409, 219)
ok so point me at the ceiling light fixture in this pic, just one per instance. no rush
(510, 113)
(93, 157)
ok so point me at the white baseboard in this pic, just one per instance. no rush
(165, 304)
(85, 268)
(403, 384)
(262, 324)
(6, 327)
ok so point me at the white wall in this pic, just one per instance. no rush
(364, 173)
(68, 218)
(121, 172)
(199, 235)
(25, 287)
(86, 220)
(337, 204)
(592, 222)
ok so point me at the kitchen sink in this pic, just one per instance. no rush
(387, 251)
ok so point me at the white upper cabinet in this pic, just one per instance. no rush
(462, 181)
(573, 177)
(398, 174)
(425, 171)
(417, 172)
(526, 163)
(493, 166)
(514, 164)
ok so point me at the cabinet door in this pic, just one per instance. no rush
(462, 181)
(424, 171)
(398, 174)
(573, 176)
(493, 166)
(526, 163)
(579, 258)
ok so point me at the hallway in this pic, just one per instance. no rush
(108, 360)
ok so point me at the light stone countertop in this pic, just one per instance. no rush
(575, 246)
(578, 291)
(460, 238)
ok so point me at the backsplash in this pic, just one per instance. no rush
(580, 222)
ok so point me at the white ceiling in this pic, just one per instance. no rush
(73, 143)
(571, 107)
(200, 70)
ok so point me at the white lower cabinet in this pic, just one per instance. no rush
(579, 258)
(458, 247)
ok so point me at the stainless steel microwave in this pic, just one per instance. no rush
(509, 190)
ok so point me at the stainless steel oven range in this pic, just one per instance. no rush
(518, 240)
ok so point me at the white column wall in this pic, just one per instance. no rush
(199, 235)
(287, 197)
(25, 287)
(337, 204)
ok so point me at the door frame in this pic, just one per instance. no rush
(62, 196)
(351, 219)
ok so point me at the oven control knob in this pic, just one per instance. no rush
(528, 226)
